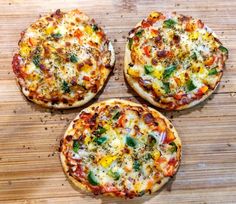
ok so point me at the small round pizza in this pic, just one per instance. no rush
(63, 60)
(173, 61)
(120, 148)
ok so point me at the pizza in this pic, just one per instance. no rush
(63, 60)
(120, 148)
(173, 61)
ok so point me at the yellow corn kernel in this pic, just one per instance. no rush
(86, 68)
(107, 126)
(133, 73)
(158, 90)
(201, 70)
(49, 30)
(157, 73)
(194, 35)
(182, 78)
(89, 30)
(87, 140)
(154, 14)
(24, 50)
(137, 186)
(156, 154)
(107, 160)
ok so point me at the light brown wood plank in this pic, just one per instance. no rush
(30, 169)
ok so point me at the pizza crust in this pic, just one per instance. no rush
(80, 186)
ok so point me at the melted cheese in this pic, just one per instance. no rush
(180, 43)
(63, 48)
(122, 155)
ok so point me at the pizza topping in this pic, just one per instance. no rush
(63, 56)
(100, 130)
(169, 23)
(148, 69)
(168, 71)
(212, 71)
(75, 146)
(223, 49)
(173, 147)
(100, 140)
(173, 57)
(131, 141)
(120, 148)
(116, 115)
(190, 85)
(92, 179)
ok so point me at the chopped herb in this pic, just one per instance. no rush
(190, 85)
(148, 69)
(147, 156)
(136, 165)
(114, 175)
(116, 115)
(100, 140)
(212, 71)
(169, 23)
(56, 35)
(75, 146)
(223, 49)
(139, 33)
(65, 87)
(173, 148)
(73, 58)
(36, 60)
(168, 71)
(100, 130)
(194, 56)
(131, 141)
(94, 27)
(92, 179)
(130, 43)
(166, 86)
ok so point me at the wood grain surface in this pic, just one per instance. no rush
(30, 170)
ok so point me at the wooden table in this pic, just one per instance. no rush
(30, 170)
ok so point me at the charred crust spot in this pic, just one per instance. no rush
(64, 100)
(108, 66)
(55, 99)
